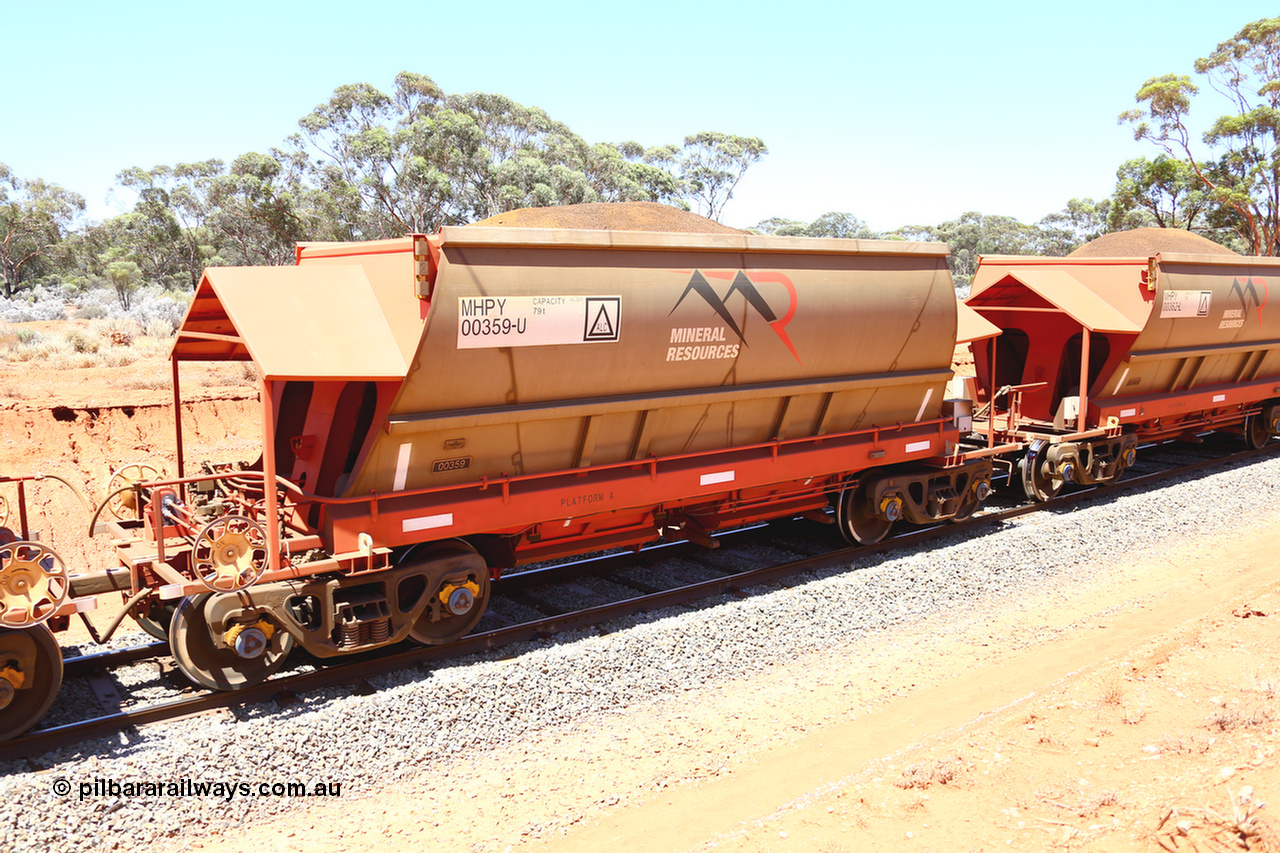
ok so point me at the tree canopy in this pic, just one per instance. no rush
(1238, 168)
(364, 164)
(34, 218)
(372, 165)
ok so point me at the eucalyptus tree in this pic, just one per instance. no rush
(628, 171)
(1239, 169)
(1080, 222)
(712, 164)
(845, 226)
(1164, 192)
(35, 216)
(355, 163)
(253, 212)
(168, 229)
(372, 164)
(971, 235)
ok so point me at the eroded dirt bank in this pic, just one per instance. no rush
(86, 444)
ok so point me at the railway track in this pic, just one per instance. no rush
(795, 547)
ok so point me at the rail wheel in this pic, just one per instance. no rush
(230, 553)
(459, 593)
(33, 583)
(1257, 432)
(972, 499)
(1038, 484)
(259, 657)
(125, 504)
(157, 620)
(30, 676)
(860, 523)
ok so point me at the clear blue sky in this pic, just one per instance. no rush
(900, 113)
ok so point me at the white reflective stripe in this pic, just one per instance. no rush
(86, 604)
(427, 522)
(402, 467)
(925, 402)
(1128, 413)
(1219, 398)
(566, 521)
(1120, 384)
(717, 477)
(918, 445)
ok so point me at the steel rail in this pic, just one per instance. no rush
(95, 661)
(360, 668)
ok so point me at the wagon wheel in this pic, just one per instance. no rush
(971, 500)
(230, 553)
(125, 504)
(860, 523)
(1257, 432)
(212, 666)
(1038, 484)
(31, 657)
(457, 605)
(156, 621)
(33, 584)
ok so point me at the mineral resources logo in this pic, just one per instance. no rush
(711, 342)
(1248, 294)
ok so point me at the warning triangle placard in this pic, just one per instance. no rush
(603, 318)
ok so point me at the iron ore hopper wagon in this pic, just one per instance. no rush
(1096, 354)
(438, 409)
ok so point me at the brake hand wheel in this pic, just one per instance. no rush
(33, 584)
(230, 553)
(125, 504)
